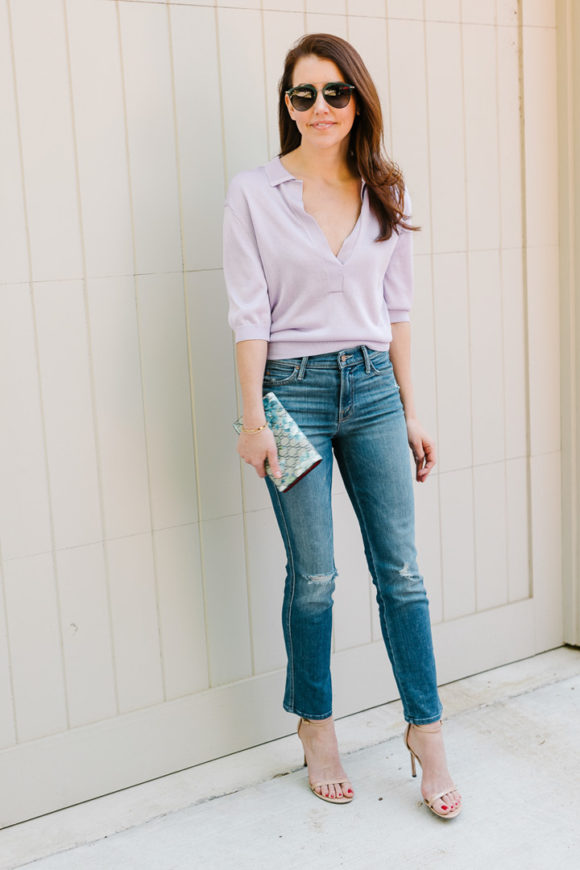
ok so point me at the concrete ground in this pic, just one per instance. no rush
(513, 748)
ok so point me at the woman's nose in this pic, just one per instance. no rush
(320, 103)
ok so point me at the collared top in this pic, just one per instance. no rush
(285, 284)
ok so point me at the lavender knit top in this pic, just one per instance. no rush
(286, 286)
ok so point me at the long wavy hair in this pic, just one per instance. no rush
(366, 155)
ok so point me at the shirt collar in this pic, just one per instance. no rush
(276, 173)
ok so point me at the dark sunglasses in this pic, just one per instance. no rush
(336, 94)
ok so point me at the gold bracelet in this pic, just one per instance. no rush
(254, 431)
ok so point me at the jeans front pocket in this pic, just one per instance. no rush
(279, 372)
(380, 363)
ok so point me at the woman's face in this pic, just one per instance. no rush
(321, 126)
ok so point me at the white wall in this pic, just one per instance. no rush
(141, 566)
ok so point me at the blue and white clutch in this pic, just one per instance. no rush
(296, 454)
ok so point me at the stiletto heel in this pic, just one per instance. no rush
(430, 800)
(314, 785)
(413, 770)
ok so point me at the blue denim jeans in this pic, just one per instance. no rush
(348, 401)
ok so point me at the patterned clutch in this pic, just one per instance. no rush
(296, 454)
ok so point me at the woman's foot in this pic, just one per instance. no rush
(324, 766)
(426, 741)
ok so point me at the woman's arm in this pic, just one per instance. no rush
(421, 444)
(255, 448)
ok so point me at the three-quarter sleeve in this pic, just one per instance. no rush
(398, 280)
(249, 312)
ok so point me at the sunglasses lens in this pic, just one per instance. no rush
(337, 95)
(303, 98)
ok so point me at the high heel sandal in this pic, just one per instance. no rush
(430, 800)
(326, 782)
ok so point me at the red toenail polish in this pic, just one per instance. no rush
(443, 807)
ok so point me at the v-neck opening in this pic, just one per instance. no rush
(348, 238)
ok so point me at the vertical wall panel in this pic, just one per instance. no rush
(135, 622)
(518, 522)
(541, 141)
(490, 535)
(365, 7)
(546, 532)
(445, 96)
(457, 543)
(507, 12)
(452, 360)
(166, 390)
(35, 647)
(7, 728)
(150, 131)
(408, 110)
(24, 505)
(119, 405)
(321, 23)
(228, 627)
(478, 11)
(47, 141)
(237, 30)
(514, 351)
(181, 610)
(544, 331)
(487, 364)
(213, 374)
(423, 346)
(405, 9)
(198, 108)
(100, 135)
(285, 5)
(337, 7)
(480, 83)
(510, 145)
(443, 10)
(539, 13)
(86, 632)
(14, 264)
(70, 434)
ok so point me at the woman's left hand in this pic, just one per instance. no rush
(423, 448)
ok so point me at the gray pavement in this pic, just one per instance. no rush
(513, 749)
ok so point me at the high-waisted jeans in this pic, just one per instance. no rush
(348, 401)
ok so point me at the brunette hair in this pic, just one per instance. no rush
(366, 157)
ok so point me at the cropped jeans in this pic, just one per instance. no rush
(348, 401)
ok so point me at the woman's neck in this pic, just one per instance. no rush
(327, 164)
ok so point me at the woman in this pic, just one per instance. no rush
(318, 268)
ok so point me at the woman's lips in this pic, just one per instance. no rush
(323, 125)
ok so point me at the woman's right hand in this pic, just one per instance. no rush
(255, 449)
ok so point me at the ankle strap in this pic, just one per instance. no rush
(429, 730)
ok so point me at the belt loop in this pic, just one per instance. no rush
(302, 368)
(365, 354)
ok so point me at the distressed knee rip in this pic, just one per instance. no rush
(404, 572)
(321, 578)
(410, 583)
(316, 592)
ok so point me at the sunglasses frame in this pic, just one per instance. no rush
(313, 90)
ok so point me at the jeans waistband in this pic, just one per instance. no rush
(348, 356)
